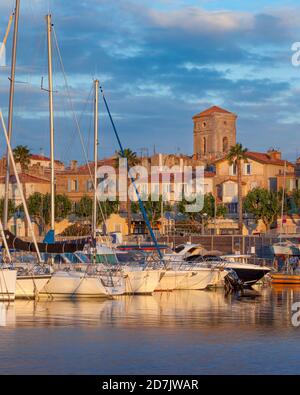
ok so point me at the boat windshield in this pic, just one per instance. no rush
(131, 256)
(107, 258)
(179, 248)
(214, 258)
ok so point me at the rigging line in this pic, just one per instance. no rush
(142, 208)
(76, 120)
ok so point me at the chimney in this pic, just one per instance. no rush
(73, 165)
(160, 161)
(274, 154)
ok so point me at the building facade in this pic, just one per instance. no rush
(214, 133)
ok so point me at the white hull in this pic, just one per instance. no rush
(199, 278)
(285, 249)
(78, 285)
(171, 280)
(218, 280)
(7, 284)
(29, 287)
(141, 281)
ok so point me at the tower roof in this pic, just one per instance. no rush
(212, 110)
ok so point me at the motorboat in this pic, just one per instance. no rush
(248, 273)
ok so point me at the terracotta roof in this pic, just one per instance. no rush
(212, 110)
(264, 157)
(84, 169)
(43, 158)
(27, 178)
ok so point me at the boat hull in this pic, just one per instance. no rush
(77, 285)
(7, 284)
(171, 279)
(281, 278)
(29, 287)
(250, 276)
(141, 281)
(199, 279)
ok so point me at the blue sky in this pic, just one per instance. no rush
(160, 62)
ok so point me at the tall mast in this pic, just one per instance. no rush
(10, 108)
(51, 119)
(283, 198)
(23, 198)
(96, 100)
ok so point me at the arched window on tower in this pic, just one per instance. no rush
(225, 144)
(204, 146)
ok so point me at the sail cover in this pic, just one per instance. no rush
(51, 248)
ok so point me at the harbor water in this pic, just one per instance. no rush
(184, 332)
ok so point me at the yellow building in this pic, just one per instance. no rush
(32, 183)
(263, 170)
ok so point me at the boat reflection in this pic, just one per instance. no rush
(192, 309)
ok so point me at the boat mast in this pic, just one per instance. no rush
(10, 108)
(11, 156)
(2, 233)
(283, 198)
(51, 119)
(96, 101)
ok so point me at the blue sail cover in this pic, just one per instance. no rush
(50, 237)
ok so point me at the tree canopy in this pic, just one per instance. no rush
(263, 205)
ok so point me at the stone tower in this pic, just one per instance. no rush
(214, 133)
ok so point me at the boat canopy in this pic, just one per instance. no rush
(52, 248)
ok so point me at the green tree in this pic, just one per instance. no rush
(84, 208)
(236, 155)
(36, 209)
(263, 205)
(153, 208)
(39, 207)
(132, 161)
(108, 207)
(22, 157)
(63, 206)
(222, 211)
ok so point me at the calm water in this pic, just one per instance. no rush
(194, 332)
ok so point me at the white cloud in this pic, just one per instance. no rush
(197, 19)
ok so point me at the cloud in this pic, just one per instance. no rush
(199, 20)
(160, 62)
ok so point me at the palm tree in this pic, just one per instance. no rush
(132, 160)
(22, 156)
(236, 155)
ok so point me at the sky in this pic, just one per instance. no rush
(160, 62)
